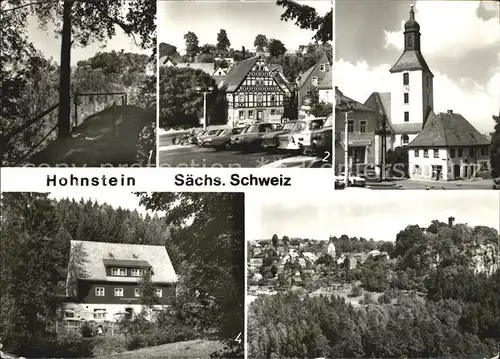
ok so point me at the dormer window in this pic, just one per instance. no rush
(122, 272)
(136, 272)
(322, 68)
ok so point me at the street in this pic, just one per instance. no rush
(195, 156)
(409, 184)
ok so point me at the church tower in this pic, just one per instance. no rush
(411, 87)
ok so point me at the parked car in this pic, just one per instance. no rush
(322, 139)
(210, 132)
(195, 132)
(223, 140)
(354, 181)
(300, 137)
(270, 140)
(252, 137)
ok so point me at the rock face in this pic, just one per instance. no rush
(485, 259)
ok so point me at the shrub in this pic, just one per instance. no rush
(137, 342)
(384, 299)
(86, 330)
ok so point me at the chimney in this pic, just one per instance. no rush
(450, 112)
(450, 221)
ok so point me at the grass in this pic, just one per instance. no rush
(197, 348)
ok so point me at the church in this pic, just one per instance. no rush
(404, 117)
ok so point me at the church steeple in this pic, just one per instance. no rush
(412, 33)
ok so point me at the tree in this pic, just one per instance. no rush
(223, 42)
(191, 44)
(211, 250)
(260, 42)
(276, 48)
(495, 148)
(148, 290)
(306, 17)
(275, 240)
(84, 22)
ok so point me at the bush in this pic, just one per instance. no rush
(384, 299)
(368, 298)
(137, 342)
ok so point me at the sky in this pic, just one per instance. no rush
(374, 214)
(49, 43)
(460, 42)
(242, 20)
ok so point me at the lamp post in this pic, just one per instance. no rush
(205, 91)
(346, 108)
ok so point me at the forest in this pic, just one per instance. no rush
(437, 296)
(203, 234)
(37, 92)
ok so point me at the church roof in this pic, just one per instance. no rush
(410, 60)
(400, 128)
(448, 130)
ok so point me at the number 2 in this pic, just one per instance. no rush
(327, 156)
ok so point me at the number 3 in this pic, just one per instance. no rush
(327, 156)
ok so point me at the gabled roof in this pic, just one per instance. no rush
(164, 59)
(238, 72)
(448, 130)
(275, 67)
(410, 60)
(341, 99)
(412, 128)
(327, 83)
(302, 80)
(89, 260)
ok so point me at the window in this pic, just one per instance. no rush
(417, 170)
(118, 292)
(241, 114)
(407, 97)
(471, 151)
(250, 113)
(119, 272)
(273, 98)
(484, 166)
(452, 152)
(362, 126)
(259, 97)
(350, 126)
(484, 151)
(159, 292)
(99, 291)
(406, 78)
(315, 81)
(407, 116)
(426, 153)
(136, 272)
(273, 112)
(322, 67)
(460, 152)
(417, 153)
(436, 153)
(404, 140)
(137, 292)
(99, 313)
(242, 97)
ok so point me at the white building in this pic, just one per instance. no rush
(325, 89)
(449, 148)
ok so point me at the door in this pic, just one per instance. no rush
(260, 115)
(456, 171)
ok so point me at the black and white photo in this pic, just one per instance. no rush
(78, 83)
(418, 94)
(245, 83)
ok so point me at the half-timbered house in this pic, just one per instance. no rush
(255, 91)
(104, 280)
